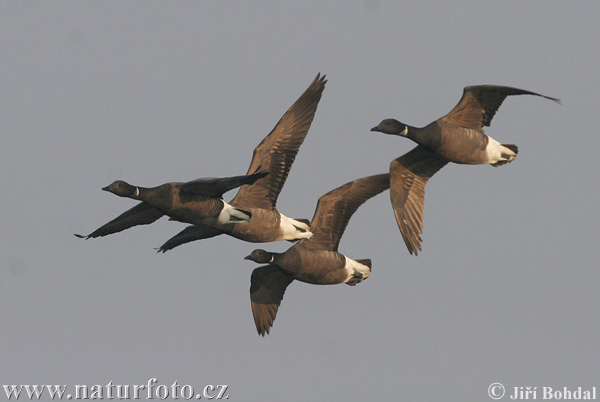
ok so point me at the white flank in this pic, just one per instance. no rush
(228, 212)
(353, 268)
(290, 226)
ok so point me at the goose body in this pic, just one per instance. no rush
(267, 226)
(315, 260)
(460, 145)
(457, 137)
(317, 267)
(196, 202)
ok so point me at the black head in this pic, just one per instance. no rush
(391, 126)
(260, 256)
(122, 189)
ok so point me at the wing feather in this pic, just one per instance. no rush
(335, 209)
(408, 176)
(277, 151)
(479, 104)
(190, 233)
(216, 187)
(141, 214)
(267, 287)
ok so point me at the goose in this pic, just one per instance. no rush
(198, 201)
(276, 154)
(456, 137)
(315, 260)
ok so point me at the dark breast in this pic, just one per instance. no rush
(161, 197)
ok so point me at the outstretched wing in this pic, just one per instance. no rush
(278, 149)
(335, 209)
(408, 176)
(479, 104)
(141, 214)
(191, 233)
(216, 187)
(267, 286)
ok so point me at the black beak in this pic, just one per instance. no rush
(106, 188)
(375, 129)
(248, 257)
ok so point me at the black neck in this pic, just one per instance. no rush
(429, 136)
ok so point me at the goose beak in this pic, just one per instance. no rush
(247, 257)
(375, 129)
(106, 188)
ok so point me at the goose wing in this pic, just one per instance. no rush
(216, 187)
(408, 176)
(190, 233)
(141, 214)
(279, 148)
(267, 286)
(335, 209)
(479, 104)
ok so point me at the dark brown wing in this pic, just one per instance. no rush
(191, 233)
(278, 149)
(479, 104)
(141, 214)
(408, 176)
(335, 209)
(216, 187)
(267, 286)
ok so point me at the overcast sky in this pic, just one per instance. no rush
(505, 289)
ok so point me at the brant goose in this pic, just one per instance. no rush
(198, 201)
(315, 260)
(457, 137)
(275, 154)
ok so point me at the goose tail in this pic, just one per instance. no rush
(509, 153)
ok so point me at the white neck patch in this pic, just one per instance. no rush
(405, 131)
(137, 192)
(272, 259)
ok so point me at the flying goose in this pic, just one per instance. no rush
(198, 201)
(275, 154)
(457, 137)
(315, 260)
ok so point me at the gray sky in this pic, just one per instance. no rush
(505, 290)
